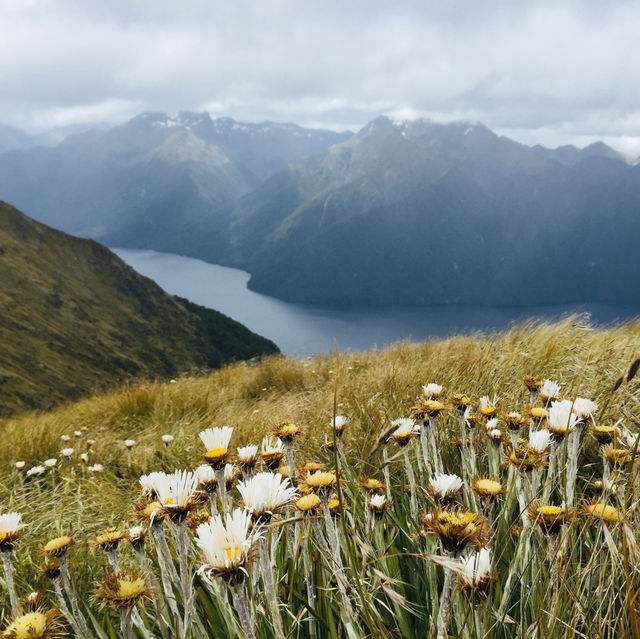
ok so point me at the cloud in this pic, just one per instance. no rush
(566, 70)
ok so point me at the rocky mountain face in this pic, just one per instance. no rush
(76, 319)
(161, 182)
(420, 213)
(400, 213)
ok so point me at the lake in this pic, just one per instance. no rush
(301, 329)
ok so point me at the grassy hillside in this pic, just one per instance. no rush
(371, 389)
(75, 319)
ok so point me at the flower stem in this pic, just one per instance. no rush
(222, 489)
(162, 550)
(270, 591)
(126, 624)
(66, 580)
(445, 602)
(412, 481)
(240, 604)
(8, 574)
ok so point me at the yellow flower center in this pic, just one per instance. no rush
(33, 625)
(232, 552)
(150, 508)
(287, 430)
(130, 587)
(109, 537)
(538, 412)
(320, 480)
(308, 502)
(333, 504)
(57, 543)
(603, 511)
(215, 453)
(488, 486)
(550, 511)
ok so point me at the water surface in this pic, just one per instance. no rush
(301, 329)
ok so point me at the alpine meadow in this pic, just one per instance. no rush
(319, 320)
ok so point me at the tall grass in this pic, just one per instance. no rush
(384, 574)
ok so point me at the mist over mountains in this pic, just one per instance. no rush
(399, 213)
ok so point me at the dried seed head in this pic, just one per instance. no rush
(109, 539)
(58, 546)
(308, 503)
(487, 488)
(124, 589)
(598, 511)
(456, 528)
(533, 384)
(286, 431)
(372, 485)
(36, 624)
(604, 434)
(549, 518)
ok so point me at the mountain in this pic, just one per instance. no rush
(76, 319)
(158, 181)
(422, 213)
(12, 138)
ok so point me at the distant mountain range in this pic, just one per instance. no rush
(158, 181)
(76, 319)
(400, 213)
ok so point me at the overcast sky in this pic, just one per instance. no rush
(551, 72)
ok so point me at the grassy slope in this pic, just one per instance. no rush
(372, 389)
(75, 318)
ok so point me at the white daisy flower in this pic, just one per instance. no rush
(10, 523)
(445, 486)
(405, 426)
(167, 439)
(540, 440)
(226, 543)
(550, 389)
(129, 443)
(432, 391)
(339, 422)
(20, 465)
(248, 454)
(476, 568)
(77, 433)
(206, 474)
(216, 440)
(84, 458)
(486, 405)
(10, 530)
(266, 493)
(378, 503)
(96, 468)
(561, 417)
(67, 452)
(271, 445)
(35, 470)
(50, 463)
(65, 438)
(229, 472)
(174, 491)
(584, 408)
(147, 483)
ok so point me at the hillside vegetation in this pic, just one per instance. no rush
(75, 319)
(371, 389)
